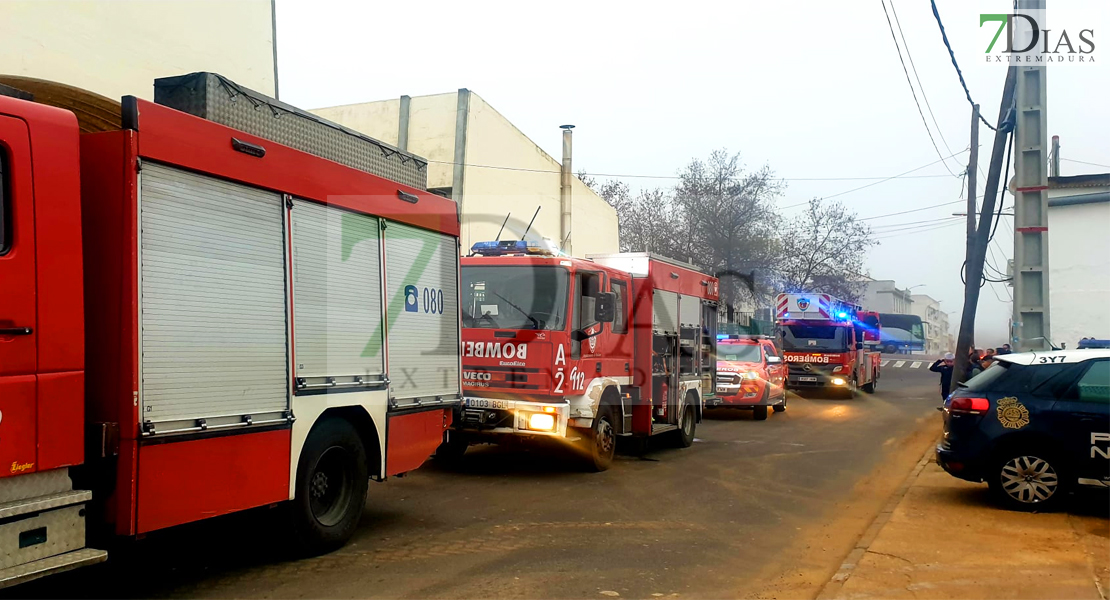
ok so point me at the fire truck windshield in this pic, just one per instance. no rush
(807, 338)
(514, 297)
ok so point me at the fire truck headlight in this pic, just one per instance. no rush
(838, 381)
(751, 375)
(541, 422)
(837, 369)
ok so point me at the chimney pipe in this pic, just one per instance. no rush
(564, 190)
(1054, 164)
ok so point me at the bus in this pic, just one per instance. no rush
(901, 334)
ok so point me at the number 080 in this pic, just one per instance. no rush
(433, 301)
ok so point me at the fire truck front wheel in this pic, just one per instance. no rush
(599, 444)
(332, 477)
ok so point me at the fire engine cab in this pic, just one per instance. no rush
(823, 341)
(582, 351)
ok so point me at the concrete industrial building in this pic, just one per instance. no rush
(882, 295)
(1079, 257)
(117, 48)
(476, 156)
(938, 338)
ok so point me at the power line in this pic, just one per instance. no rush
(884, 180)
(952, 54)
(887, 228)
(1085, 162)
(935, 224)
(914, 231)
(1002, 191)
(912, 210)
(920, 85)
(910, 83)
(640, 176)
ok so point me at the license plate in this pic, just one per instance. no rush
(722, 390)
(487, 403)
(807, 379)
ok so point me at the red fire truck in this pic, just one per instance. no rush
(823, 340)
(582, 351)
(198, 320)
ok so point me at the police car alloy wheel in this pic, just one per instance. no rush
(1028, 482)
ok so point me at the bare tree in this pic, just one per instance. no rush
(823, 251)
(648, 221)
(730, 222)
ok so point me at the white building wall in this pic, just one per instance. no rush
(883, 296)
(506, 172)
(431, 128)
(1079, 272)
(117, 48)
(935, 322)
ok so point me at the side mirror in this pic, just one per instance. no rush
(605, 307)
(774, 360)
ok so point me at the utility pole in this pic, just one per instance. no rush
(977, 251)
(1031, 294)
(972, 177)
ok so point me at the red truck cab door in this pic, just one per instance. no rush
(18, 296)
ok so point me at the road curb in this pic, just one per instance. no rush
(833, 586)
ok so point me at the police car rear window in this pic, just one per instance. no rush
(1041, 380)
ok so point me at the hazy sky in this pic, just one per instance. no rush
(814, 89)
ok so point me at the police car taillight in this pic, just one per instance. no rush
(972, 406)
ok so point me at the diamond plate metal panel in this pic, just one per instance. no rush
(49, 566)
(64, 532)
(41, 503)
(34, 485)
(216, 98)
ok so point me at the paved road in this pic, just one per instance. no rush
(729, 516)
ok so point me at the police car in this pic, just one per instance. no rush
(1033, 426)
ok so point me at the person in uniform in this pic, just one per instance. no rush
(944, 366)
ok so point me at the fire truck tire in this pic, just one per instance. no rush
(759, 413)
(601, 442)
(687, 427)
(870, 387)
(332, 477)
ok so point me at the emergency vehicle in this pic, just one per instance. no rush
(198, 321)
(582, 351)
(751, 374)
(1033, 426)
(823, 341)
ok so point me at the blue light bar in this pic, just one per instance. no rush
(510, 247)
(842, 315)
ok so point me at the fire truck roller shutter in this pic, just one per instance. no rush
(689, 312)
(212, 301)
(337, 300)
(665, 306)
(422, 314)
